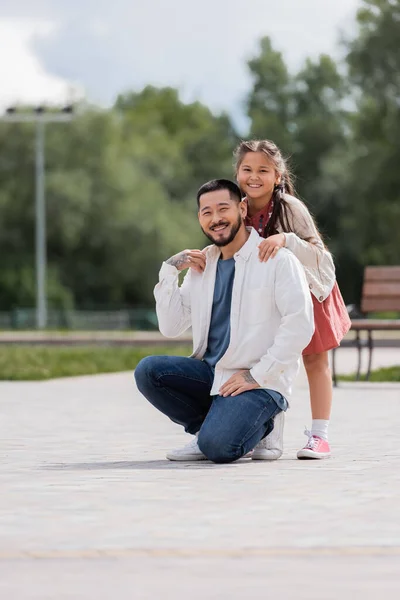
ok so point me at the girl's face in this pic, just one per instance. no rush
(257, 176)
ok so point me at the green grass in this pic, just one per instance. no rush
(384, 374)
(33, 363)
(389, 314)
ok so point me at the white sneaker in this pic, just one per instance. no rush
(271, 447)
(190, 452)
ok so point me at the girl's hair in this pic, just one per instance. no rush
(280, 206)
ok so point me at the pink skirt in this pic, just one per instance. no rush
(332, 322)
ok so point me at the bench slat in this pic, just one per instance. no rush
(382, 273)
(375, 324)
(379, 289)
(380, 304)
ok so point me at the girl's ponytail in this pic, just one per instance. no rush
(279, 213)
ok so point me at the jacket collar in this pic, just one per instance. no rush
(244, 252)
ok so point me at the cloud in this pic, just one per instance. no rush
(200, 47)
(23, 77)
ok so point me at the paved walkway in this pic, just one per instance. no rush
(90, 509)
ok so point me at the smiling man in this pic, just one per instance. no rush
(250, 322)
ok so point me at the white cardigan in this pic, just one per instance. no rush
(315, 258)
(271, 314)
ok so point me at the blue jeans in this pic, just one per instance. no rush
(228, 427)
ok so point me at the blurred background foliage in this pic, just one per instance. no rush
(121, 182)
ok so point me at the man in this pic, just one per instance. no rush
(250, 322)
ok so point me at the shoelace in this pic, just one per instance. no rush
(312, 441)
(192, 444)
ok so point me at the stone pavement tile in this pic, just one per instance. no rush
(213, 578)
(89, 503)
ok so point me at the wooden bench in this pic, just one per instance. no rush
(380, 293)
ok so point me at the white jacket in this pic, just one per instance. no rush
(315, 258)
(271, 314)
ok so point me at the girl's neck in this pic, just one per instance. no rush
(254, 205)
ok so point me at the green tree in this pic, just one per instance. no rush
(373, 207)
(270, 101)
(320, 141)
(303, 113)
(181, 145)
(120, 198)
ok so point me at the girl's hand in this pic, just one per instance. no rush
(268, 248)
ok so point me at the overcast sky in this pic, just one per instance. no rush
(50, 47)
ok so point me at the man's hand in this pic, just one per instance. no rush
(193, 259)
(240, 382)
(268, 248)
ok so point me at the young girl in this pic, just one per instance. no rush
(284, 221)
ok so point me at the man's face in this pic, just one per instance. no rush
(220, 217)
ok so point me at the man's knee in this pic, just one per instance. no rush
(145, 372)
(217, 449)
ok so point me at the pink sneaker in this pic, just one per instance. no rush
(316, 447)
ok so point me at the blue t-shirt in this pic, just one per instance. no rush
(220, 324)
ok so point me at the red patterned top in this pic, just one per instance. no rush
(260, 219)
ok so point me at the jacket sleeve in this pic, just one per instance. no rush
(172, 302)
(311, 253)
(294, 303)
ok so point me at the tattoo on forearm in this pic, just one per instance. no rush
(248, 377)
(178, 260)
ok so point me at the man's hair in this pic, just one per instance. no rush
(220, 184)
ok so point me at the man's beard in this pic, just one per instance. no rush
(230, 238)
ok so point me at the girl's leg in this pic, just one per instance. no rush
(320, 384)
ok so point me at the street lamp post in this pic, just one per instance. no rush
(40, 228)
(40, 117)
